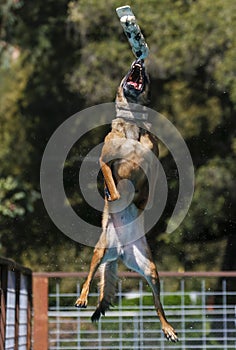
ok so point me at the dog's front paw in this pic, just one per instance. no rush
(115, 196)
(81, 303)
(112, 196)
(170, 333)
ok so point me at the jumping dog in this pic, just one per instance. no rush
(127, 157)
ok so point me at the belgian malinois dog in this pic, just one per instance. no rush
(127, 155)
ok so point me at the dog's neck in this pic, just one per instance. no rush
(131, 111)
(130, 129)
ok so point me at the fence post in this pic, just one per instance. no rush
(2, 319)
(40, 302)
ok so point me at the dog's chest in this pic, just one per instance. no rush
(132, 158)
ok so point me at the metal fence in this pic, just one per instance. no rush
(15, 302)
(199, 305)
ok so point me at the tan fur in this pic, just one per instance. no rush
(126, 151)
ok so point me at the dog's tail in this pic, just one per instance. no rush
(108, 279)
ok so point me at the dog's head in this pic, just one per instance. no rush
(134, 86)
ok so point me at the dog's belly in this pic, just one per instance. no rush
(123, 227)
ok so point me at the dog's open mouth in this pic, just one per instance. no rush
(135, 80)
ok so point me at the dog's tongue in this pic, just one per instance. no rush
(136, 85)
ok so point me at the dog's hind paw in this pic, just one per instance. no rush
(170, 333)
(81, 303)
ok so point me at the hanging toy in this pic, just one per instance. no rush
(133, 32)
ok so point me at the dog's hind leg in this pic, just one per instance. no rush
(103, 252)
(138, 257)
(98, 255)
(107, 286)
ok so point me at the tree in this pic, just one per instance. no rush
(191, 52)
(69, 59)
(34, 101)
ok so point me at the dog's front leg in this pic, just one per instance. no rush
(98, 255)
(109, 181)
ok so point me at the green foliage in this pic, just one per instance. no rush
(213, 201)
(15, 198)
(56, 57)
(14, 125)
(7, 21)
(97, 69)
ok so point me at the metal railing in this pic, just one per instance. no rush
(199, 305)
(15, 306)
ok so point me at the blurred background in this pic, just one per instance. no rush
(59, 57)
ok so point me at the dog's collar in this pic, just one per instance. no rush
(131, 111)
